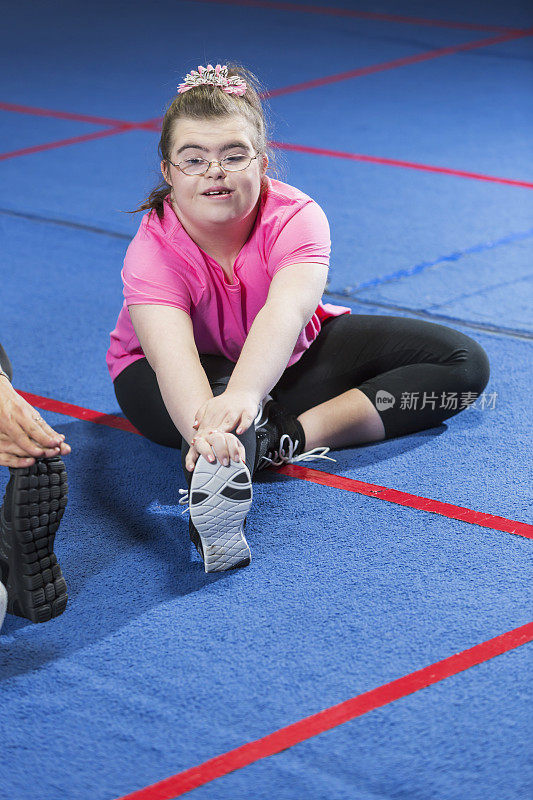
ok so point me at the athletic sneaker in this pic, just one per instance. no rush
(219, 537)
(219, 499)
(34, 503)
(281, 438)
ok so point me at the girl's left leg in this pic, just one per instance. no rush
(367, 378)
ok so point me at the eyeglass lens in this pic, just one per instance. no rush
(197, 166)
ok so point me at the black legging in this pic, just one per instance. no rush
(398, 356)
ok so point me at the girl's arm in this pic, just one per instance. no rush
(294, 294)
(167, 339)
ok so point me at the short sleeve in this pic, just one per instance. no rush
(149, 279)
(304, 237)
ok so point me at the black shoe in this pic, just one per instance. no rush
(34, 503)
(280, 439)
(279, 436)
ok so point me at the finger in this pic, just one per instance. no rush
(8, 460)
(229, 425)
(191, 459)
(235, 448)
(54, 435)
(50, 452)
(203, 446)
(238, 455)
(40, 431)
(11, 447)
(244, 424)
(65, 449)
(220, 443)
(21, 438)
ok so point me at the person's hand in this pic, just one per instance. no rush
(24, 435)
(228, 411)
(226, 446)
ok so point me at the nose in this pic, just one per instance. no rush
(219, 169)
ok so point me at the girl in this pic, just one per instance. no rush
(223, 347)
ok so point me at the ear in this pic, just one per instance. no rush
(265, 164)
(164, 172)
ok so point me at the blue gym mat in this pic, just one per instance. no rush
(156, 667)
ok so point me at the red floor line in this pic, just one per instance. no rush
(400, 62)
(87, 137)
(410, 500)
(332, 717)
(152, 124)
(155, 125)
(78, 412)
(46, 112)
(315, 476)
(367, 15)
(393, 162)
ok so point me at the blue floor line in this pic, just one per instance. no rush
(351, 291)
(488, 327)
(479, 291)
(331, 294)
(65, 223)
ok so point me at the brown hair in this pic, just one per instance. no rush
(210, 102)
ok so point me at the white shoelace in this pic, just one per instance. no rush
(288, 457)
(184, 500)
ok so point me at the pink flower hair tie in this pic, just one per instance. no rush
(217, 76)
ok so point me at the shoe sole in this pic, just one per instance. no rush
(219, 499)
(35, 585)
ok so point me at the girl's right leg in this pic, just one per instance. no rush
(219, 497)
(139, 397)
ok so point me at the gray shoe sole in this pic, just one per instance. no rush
(219, 499)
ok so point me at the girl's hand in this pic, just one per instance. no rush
(228, 411)
(212, 444)
(24, 435)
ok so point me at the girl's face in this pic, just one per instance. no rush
(207, 139)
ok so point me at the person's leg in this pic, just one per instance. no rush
(219, 496)
(5, 363)
(34, 502)
(139, 397)
(424, 372)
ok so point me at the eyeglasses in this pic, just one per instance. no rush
(199, 166)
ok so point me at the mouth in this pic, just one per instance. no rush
(219, 195)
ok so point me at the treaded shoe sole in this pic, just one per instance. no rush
(35, 586)
(219, 499)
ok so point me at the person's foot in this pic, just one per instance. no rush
(34, 503)
(219, 499)
(280, 438)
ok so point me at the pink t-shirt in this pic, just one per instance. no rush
(164, 266)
